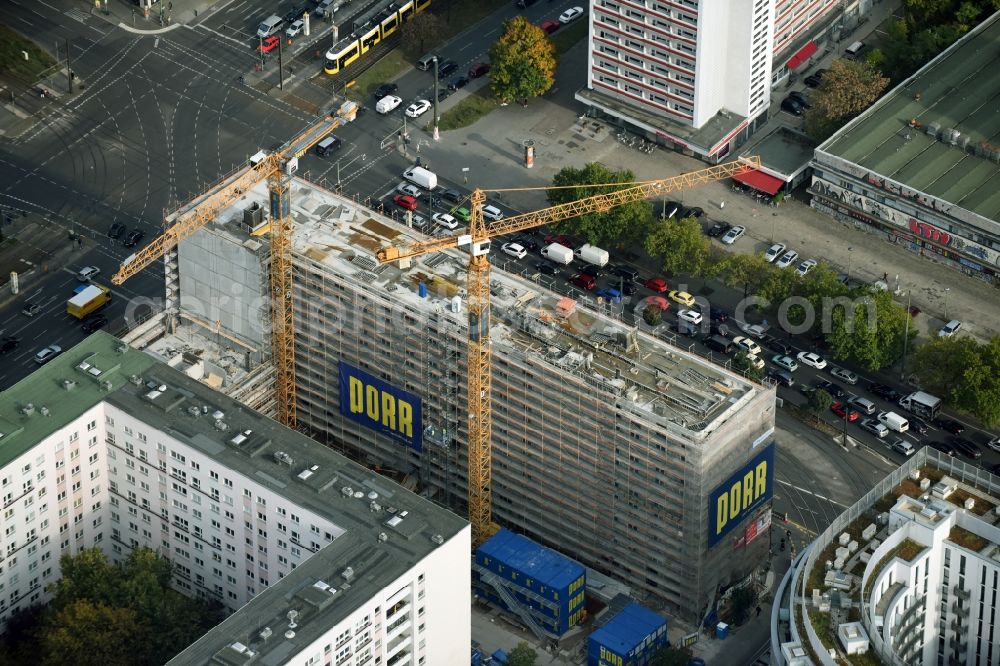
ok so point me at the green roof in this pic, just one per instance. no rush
(957, 91)
(58, 392)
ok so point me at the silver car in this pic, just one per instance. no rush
(734, 234)
(844, 375)
(47, 354)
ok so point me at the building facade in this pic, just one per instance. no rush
(104, 447)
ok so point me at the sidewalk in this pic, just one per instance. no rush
(35, 249)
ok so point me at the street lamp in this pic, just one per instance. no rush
(906, 335)
(946, 291)
(850, 260)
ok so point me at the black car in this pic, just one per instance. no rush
(527, 241)
(800, 98)
(946, 449)
(694, 212)
(546, 268)
(950, 425)
(776, 345)
(885, 392)
(134, 237)
(116, 230)
(626, 272)
(94, 322)
(385, 89)
(451, 195)
(31, 309)
(592, 270)
(721, 329)
(458, 83)
(718, 314)
(918, 425)
(719, 229)
(667, 209)
(789, 105)
(443, 93)
(967, 448)
(297, 12)
(447, 67)
(831, 388)
(814, 79)
(9, 344)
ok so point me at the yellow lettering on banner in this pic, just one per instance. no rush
(388, 410)
(761, 479)
(721, 512)
(747, 490)
(406, 418)
(357, 391)
(610, 657)
(371, 402)
(734, 500)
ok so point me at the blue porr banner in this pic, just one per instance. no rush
(741, 494)
(380, 406)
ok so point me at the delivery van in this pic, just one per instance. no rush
(387, 104)
(270, 26)
(893, 421)
(421, 177)
(558, 253)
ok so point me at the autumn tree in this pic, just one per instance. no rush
(680, 245)
(523, 61)
(613, 228)
(964, 372)
(847, 89)
(89, 634)
(420, 34)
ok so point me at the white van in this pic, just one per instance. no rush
(426, 62)
(893, 421)
(387, 104)
(270, 26)
(854, 50)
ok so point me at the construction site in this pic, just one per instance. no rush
(608, 444)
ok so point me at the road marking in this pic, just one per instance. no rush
(809, 492)
(26, 21)
(467, 46)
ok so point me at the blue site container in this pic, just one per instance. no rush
(548, 583)
(630, 638)
(500, 657)
(722, 631)
(477, 658)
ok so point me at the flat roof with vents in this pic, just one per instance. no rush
(953, 152)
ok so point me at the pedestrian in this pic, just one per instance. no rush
(758, 611)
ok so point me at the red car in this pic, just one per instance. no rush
(584, 281)
(550, 26)
(479, 69)
(405, 201)
(840, 409)
(562, 240)
(657, 302)
(269, 44)
(656, 284)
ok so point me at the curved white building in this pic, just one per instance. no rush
(909, 573)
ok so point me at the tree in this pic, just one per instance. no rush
(819, 401)
(652, 315)
(963, 372)
(741, 363)
(522, 655)
(740, 603)
(872, 332)
(751, 270)
(671, 656)
(420, 34)
(680, 244)
(613, 228)
(523, 61)
(847, 89)
(86, 634)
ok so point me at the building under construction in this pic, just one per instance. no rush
(639, 459)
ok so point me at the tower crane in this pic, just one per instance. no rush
(477, 241)
(277, 168)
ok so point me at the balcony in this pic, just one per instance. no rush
(961, 611)
(961, 593)
(396, 630)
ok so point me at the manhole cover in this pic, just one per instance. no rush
(571, 144)
(550, 130)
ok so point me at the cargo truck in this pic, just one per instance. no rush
(87, 300)
(921, 404)
(421, 177)
(558, 253)
(592, 254)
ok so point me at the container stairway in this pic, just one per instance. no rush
(524, 613)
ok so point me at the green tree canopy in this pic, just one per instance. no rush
(420, 34)
(741, 363)
(613, 228)
(89, 634)
(819, 401)
(679, 244)
(848, 88)
(522, 655)
(671, 656)
(964, 372)
(872, 332)
(523, 61)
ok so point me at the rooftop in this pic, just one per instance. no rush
(952, 151)
(782, 151)
(532, 560)
(682, 390)
(383, 529)
(628, 628)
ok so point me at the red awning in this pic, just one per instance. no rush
(804, 54)
(760, 181)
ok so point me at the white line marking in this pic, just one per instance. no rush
(809, 492)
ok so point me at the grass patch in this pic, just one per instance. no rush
(906, 551)
(907, 487)
(967, 539)
(12, 59)
(567, 38)
(468, 111)
(384, 70)
(981, 507)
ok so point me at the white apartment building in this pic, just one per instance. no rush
(696, 75)
(319, 560)
(917, 558)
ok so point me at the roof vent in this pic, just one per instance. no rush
(382, 536)
(28, 409)
(437, 538)
(374, 507)
(135, 379)
(43, 410)
(281, 457)
(373, 495)
(193, 410)
(218, 415)
(122, 348)
(107, 385)
(265, 633)
(291, 615)
(221, 425)
(347, 491)
(347, 573)
(240, 437)
(359, 495)
(68, 384)
(289, 634)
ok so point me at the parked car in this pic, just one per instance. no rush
(450, 195)
(785, 362)
(874, 427)
(792, 106)
(418, 108)
(479, 69)
(445, 220)
(583, 281)
(950, 425)
(608, 293)
(776, 345)
(47, 354)
(799, 97)
(385, 90)
(515, 250)
(558, 238)
(134, 237)
(462, 213)
(88, 273)
(814, 79)
(786, 260)
(546, 268)
(782, 377)
(844, 375)
(718, 314)
(447, 67)
(734, 234)
(844, 411)
(690, 316)
(747, 344)
(570, 14)
(492, 213)
(805, 267)
(94, 322)
(950, 329)
(527, 241)
(409, 189)
(657, 284)
(719, 229)
(458, 83)
(811, 358)
(550, 26)
(682, 297)
(268, 44)
(774, 252)
(295, 28)
(835, 391)
(885, 392)
(405, 201)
